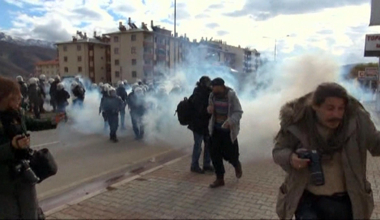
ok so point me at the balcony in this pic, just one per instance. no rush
(148, 43)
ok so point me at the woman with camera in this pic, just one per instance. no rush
(18, 199)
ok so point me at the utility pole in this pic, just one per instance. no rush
(275, 49)
(175, 35)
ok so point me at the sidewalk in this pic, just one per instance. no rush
(172, 192)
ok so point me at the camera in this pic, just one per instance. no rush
(316, 172)
(22, 169)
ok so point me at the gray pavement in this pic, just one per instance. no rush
(172, 192)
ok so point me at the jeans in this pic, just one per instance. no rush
(122, 118)
(197, 150)
(337, 206)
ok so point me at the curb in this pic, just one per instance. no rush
(114, 185)
(61, 190)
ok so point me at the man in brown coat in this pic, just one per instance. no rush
(340, 131)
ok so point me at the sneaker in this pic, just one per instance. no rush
(238, 171)
(217, 183)
(197, 170)
(209, 168)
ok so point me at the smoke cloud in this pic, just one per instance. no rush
(261, 94)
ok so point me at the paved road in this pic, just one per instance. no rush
(81, 157)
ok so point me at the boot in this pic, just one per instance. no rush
(197, 170)
(238, 171)
(209, 168)
(217, 183)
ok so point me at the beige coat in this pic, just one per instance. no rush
(361, 136)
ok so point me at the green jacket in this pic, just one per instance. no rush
(361, 137)
(17, 199)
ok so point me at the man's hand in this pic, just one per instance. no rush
(226, 125)
(20, 142)
(298, 163)
(210, 109)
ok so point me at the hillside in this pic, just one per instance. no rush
(17, 59)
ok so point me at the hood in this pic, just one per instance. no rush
(294, 111)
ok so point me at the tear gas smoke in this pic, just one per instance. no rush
(261, 95)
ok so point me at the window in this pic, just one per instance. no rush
(134, 62)
(79, 58)
(79, 47)
(79, 69)
(115, 39)
(64, 48)
(65, 59)
(66, 69)
(134, 74)
(116, 50)
(117, 62)
(117, 74)
(133, 37)
(133, 50)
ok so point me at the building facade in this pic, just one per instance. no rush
(49, 68)
(145, 52)
(88, 57)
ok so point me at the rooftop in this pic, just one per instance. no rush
(86, 40)
(47, 62)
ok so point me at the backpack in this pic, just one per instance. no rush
(185, 111)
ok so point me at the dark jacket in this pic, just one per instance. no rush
(61, 97)
(53, 88)
(41, 86)
(122, 93)
(199, 100)
(18, 200)
(111, 105)
(79, 91)
(24, 89)
(34, 93)
(136, 104)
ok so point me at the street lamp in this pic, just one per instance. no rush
(275, 46)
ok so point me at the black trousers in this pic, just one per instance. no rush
(137, 124)
(223, 148)
(337, 206)
(36, 110)
(113, 121)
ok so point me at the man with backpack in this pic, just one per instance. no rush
(226, 111)
(199, 125)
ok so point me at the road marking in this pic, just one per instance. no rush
(46, 144)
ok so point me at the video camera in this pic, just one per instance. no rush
(316, 172)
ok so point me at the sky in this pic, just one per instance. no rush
(333, 27)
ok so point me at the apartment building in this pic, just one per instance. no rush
(88, 57)
(243, 60)
(49, 68)
(144, 52)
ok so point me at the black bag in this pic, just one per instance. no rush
(43, 164)
(185, 111)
